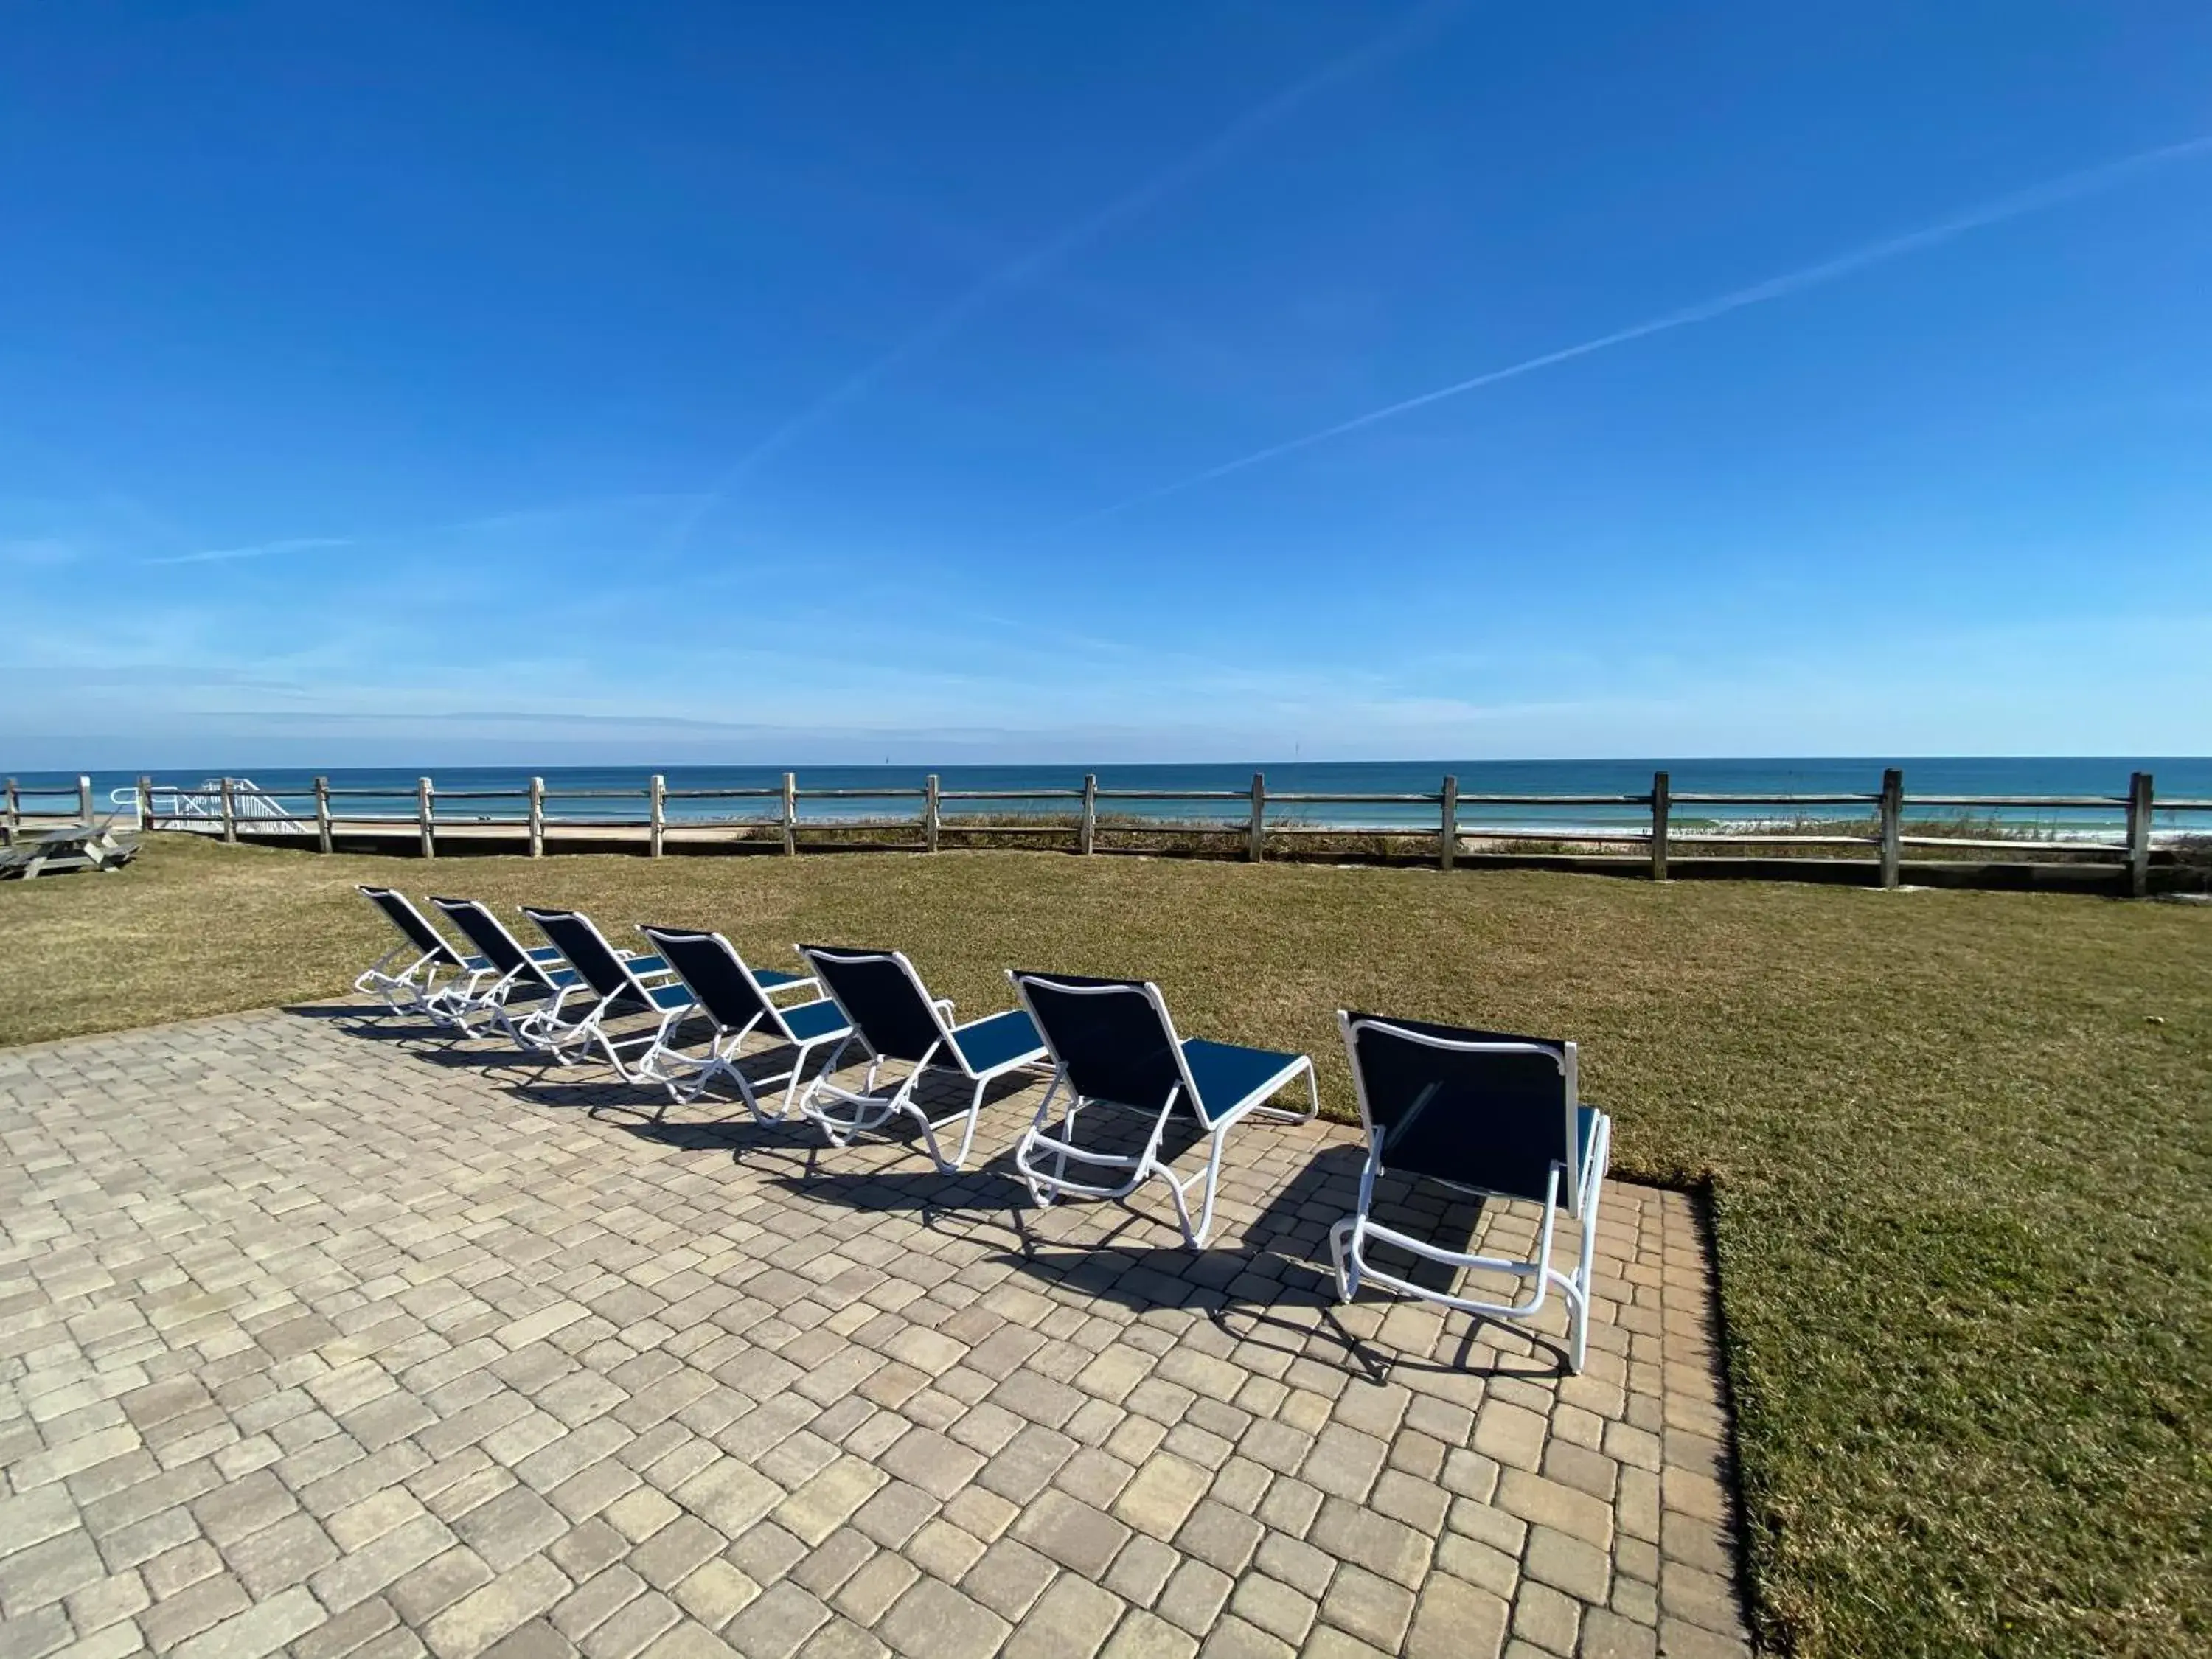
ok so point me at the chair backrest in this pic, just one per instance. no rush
(410, 921)
(1112, 1037)
(587, 952)
(494, 943)
(1486, 1109)
(885, 999)
(716, 975)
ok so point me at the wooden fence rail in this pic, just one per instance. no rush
(1456, 826)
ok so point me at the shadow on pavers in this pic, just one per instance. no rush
(1276, 1287)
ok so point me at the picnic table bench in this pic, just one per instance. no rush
(76, 846)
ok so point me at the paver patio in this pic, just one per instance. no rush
(316, 1337)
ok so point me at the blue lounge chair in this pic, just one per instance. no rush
(893, 1017)
(1113, 1044)
(1484, 1113)
(415, 988)
(514, 980)
(738, 1001)
(620, 983)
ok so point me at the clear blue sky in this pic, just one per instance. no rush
(805, 382)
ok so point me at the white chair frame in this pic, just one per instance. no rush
(687, 1077)
(568, 1042)
(415, 988)
(490, 999)
(1349, 1238)
(865, 1109)
(1045, 1187)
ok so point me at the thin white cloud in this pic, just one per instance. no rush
(255, 550)
(603, 511)
(1026, 267)
(2088, 181)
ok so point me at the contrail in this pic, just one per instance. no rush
(2067, 187)
(257, 551)
(1026, 266)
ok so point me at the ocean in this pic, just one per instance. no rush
(394, 789)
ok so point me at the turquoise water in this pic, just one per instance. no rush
(392, 792)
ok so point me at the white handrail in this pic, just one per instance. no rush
(201, 810)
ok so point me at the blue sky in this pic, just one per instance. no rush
(384, 382)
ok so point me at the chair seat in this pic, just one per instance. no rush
(1227, 1076)
(671, 996)
(810, 1020)
(768, 978)
(1002, 1040)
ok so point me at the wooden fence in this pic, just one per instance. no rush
(1090, 819)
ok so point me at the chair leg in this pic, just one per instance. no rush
(1067, 1138)
(1344, 1253)
(1193, 1235)
(1578, 1294)
(1042, 1192)
(1197, 1240)
(967, 1135)
(790, 1089)
(1281, 1115)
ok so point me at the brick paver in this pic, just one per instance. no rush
(328, 1337)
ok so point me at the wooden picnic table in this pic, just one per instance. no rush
(77, 847)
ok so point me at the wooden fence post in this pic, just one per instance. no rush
(422, 818)
(322, 815)
(2139, 822)
(657, 794)
(1448, 825)
(145, 803)
(1891, 828)
(790, 813)
(929, 813)
(10, 817)
(1662, 807)
(84, 800)
(1086, 832)
(229, 812)
(538, 817)
(1256, 848)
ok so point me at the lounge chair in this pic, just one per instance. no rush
(520, 977)
(737, 1001)
(621, 983)
(893, 1017)
(1483, 1113)
(415, 987)
(1112, 1044)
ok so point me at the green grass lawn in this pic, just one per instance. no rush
(1958, 1142)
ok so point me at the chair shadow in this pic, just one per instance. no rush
(371, 1019)
(1275, 1286)
(1255, 1289)
(643, 1108)
(439, 1044)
